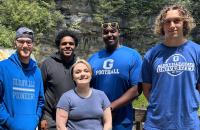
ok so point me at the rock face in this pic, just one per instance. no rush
(77, 18)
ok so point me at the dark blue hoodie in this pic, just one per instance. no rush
(21, 94)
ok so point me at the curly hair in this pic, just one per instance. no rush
(188, 20)
(65, 33)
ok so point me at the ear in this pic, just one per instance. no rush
(14, 45)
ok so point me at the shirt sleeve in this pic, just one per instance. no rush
(146, 75)
(198, 80)
(105, 102)
(4, 115)
(43, 69)
(64, 102)
(136, 69)
(40, 98)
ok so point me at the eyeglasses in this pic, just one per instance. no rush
(114, 25)
(28, 42)
(174, 20)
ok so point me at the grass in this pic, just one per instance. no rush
(199, 111)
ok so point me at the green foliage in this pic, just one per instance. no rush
(104, 8)
(194, 7)
(140, 102)
(137, 18)
(6, 36)
(37, 15)
(199, 111)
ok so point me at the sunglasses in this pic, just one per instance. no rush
(114, 25)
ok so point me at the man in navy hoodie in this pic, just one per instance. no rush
(21, 86)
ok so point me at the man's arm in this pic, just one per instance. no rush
(127, 97)
(132, 92)
(40, 99)
(146, 89)
(198, 87)
(43, 123)
(44, 72)
(4, 115)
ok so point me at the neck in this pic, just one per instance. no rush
(68, 59)
(25, 61)
(174, 42)
(112, 49)
(83, 91)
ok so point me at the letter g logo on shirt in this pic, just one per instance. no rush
(108, 64)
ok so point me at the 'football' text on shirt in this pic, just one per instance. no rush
(107, 68)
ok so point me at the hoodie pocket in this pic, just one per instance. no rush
(27, 122)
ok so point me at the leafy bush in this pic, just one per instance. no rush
(6, 36)
(37, 15)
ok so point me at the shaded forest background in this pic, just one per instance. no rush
(84, 17)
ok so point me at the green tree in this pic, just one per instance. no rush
(194, 7)
(137, 17)
(37, 15)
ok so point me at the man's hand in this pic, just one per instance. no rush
(43, 125)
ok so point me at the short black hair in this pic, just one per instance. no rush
(65, 33)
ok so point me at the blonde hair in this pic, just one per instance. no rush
(83, 62)
(188, 20)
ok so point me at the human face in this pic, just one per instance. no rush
(24, 48)
(67, 46)
(110, 36)
(81, 74)
(173, 25)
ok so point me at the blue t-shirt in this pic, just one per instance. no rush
(114, 74)
(174, 99)
(84, 113)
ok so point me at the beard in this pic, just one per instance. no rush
(111, 45)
